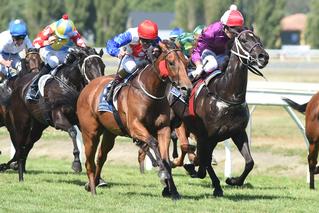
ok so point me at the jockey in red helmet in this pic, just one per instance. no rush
(212, 42)
(132, 47)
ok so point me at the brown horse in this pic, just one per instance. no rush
(56, 107)
(311, 109)
(31, 63)
(143, 110)
(220, 108)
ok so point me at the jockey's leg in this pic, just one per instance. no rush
(33, 91)
(128, 66)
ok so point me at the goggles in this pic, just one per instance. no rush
(18, 37)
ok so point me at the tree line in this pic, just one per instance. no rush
(99, 20)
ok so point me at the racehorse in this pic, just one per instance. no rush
(56, 107)
(143, 110)
(31, 63)
(311, 110)
(220, 110)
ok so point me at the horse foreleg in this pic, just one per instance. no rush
(164, 141)
(76, 164)
(312, 161)
(61, 122)
(174, 140)
(105, 147)
(182, 137)
(241, 141)
(90, 144)
(142, 152)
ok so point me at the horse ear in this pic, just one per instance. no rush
(101, 52)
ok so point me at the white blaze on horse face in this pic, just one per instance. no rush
(221, 105)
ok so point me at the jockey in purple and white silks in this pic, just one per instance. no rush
(212, 43)
(133, 47)
(12, 42)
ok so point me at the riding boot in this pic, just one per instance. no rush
(119, 77)
(33, 89)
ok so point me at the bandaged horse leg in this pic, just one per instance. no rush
(61, 122)
(76, 164)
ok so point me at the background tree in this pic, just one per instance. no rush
(10, 10)
(118, 18)
(214, 9)
(82, 13)
(312, 29)
(39, 13)
(268, 21)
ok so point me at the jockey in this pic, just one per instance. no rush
(188, 41)
(54, 41)
(211, 46)
(12, 42)
(134, 47)
(175, 33)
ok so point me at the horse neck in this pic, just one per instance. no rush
(150, 82)
(233, 84)
(71, 75)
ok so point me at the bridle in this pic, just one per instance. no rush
(246, 55)
(163, 79)
(33, 53)
(83, 67)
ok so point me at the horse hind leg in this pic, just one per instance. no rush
(312, 162)
(105, 147)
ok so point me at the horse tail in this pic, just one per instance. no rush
(300, 108)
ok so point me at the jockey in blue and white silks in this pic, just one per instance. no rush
(133, 47)
(12, 42)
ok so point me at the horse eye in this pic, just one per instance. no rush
(171, 63)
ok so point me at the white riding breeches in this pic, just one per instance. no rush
(211, 61)
(53, 57)
(130, 63)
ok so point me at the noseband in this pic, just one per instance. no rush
(246, 54)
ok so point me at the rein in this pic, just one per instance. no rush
(246, 55)
(158, 75)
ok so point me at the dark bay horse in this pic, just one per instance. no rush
(144, 112)
(220, 108)
(56, 107)
(31, 63)
(311, 110)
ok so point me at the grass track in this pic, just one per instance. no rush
(50, 187)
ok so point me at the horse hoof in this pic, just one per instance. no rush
(201, 173)
(176, 196)
(102, 183)
(218, 193)
(76, 166)
(166, 192)
(3, 167)
(234, 182)
(190, 169)
(87, 187)
(14, 166)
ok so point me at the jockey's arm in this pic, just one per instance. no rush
(78, 40)
(113, 46)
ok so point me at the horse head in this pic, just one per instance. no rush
(33, 60)
(89, 61)
(172, 66)
(248, 47)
